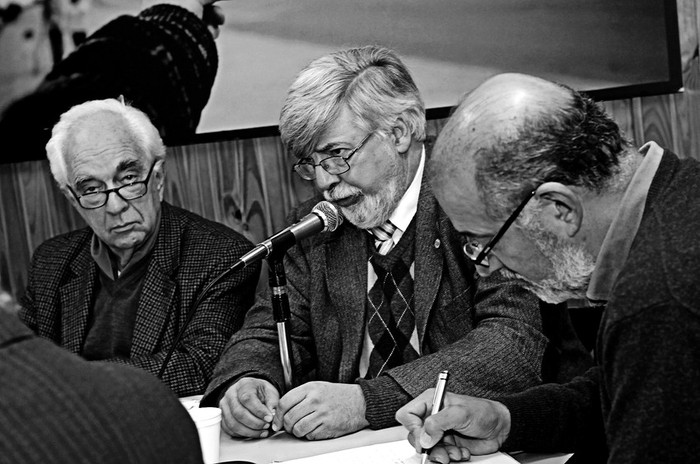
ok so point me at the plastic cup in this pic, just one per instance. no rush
(208, 422)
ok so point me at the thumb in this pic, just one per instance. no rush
(436, 425)
(427, 440)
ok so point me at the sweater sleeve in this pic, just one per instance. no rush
(162, 61)
(554, 417)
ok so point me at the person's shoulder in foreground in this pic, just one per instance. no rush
(58, 408)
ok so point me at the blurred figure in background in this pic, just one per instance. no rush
(163, 61)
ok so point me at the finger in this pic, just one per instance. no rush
(439, 454)
(255, 397)
(414, 439)
(309, 427)
(449, 418)
(238, 422)
(287, 402)
(456, 453)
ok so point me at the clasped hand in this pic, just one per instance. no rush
(315, 410)
(465, 426)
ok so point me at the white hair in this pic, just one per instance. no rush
(140, 126)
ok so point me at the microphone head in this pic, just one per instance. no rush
(329, 214)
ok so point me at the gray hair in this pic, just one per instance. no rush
(577, 145)
(139, 125)
(372, 81)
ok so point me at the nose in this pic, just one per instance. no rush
(325, 180)
(115, 204)
(494, 265)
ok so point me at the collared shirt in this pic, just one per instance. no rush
(401, 218)
(623, 230)
(408, 205)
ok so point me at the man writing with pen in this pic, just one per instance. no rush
(383, 303)
(576, 210)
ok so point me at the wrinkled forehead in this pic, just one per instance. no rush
(102, 144)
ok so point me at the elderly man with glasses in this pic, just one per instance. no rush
(123, 288)
(385, 302)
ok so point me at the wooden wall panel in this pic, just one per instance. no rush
(249, 186)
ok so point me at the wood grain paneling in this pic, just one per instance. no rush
(249, 186)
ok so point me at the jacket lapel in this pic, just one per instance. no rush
(347, 281)
(429, 262)
(75, 299)
(154, 309)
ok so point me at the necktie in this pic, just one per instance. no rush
(391, 320)
(382, 235)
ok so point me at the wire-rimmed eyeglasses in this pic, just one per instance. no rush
(127, 192)
(477, 252)
(333, 164)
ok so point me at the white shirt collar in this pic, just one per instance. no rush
(407, 207)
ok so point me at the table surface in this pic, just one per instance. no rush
(283, 446)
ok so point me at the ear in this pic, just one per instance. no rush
(159, 173)
(563, 207)
(402, 135)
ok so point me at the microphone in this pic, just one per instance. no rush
(324, 217)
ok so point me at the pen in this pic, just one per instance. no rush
(438, 396)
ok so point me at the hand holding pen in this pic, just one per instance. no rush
(438, 398)
(465, 426)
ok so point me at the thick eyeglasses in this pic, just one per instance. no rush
(126, 192)
(334, 164)
(477, 252)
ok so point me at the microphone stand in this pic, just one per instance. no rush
(281, 313)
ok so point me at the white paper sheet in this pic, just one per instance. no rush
(394, 452)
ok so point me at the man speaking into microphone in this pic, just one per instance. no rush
(383, 303)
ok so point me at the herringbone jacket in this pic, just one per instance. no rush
(190, 251)
(490, 335)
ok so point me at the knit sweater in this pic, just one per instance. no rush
(58, 408)
(642, 397)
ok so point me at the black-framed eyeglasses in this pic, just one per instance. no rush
(478, 253)
(333, 164)
(126, 192)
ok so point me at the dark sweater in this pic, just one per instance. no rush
(58, 408)
(162, 61)
(643, 396)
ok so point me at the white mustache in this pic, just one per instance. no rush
(340, 193)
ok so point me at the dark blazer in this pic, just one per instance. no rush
(190, 251)
(58, 408)
(490, 336)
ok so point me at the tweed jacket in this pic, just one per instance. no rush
(58, 408)
(189, 252)
(490, 336)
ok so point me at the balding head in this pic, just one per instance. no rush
(513, 133)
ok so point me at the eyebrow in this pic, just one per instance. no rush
(330, 145)
(121, 167)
